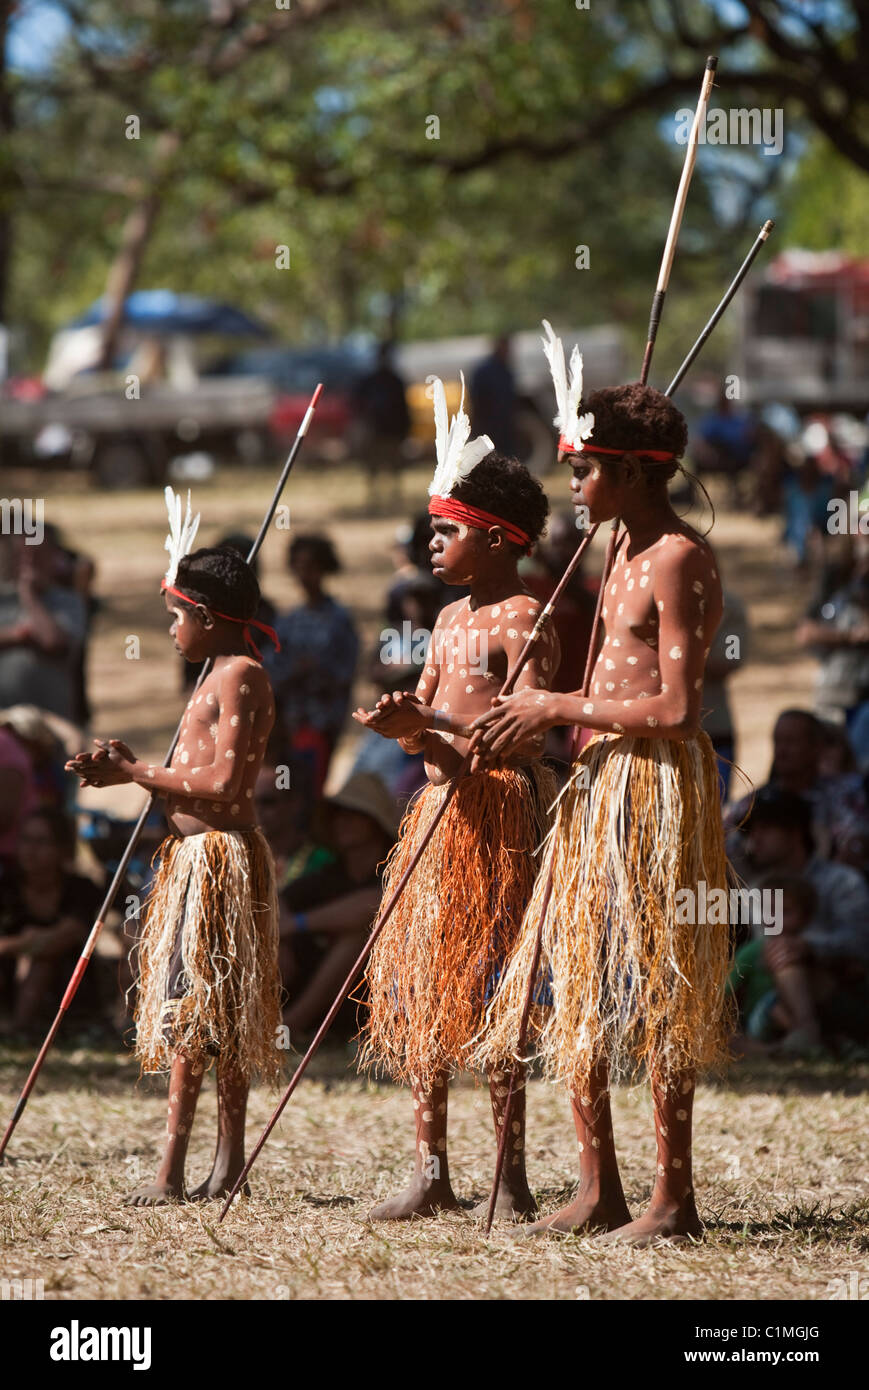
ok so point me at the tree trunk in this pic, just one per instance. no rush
(7, 192)
(124, 270)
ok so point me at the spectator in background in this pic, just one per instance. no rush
(397, 664)
(726, 655)
(806, 493)
(18, 796)
(413, 565)
(859, 738)
(46, 912)
(286, 809)
(771, 978)
(43, 627)
(76, 572)
(779, 843)
(399, 658)
(820, 960)
(38, 735)
(837, 631)
(312, 674)
(725, 443)
(382, 423)
(835, 802)
(326, 916)
(493, 398)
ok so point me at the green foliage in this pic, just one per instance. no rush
(827, 203)
(317, 139)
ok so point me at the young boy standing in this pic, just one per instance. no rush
(438, 957)
(634, 979)
(208, 982)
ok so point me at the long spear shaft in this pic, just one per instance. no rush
(547, 892)
(385, 912)
(728, 295)
(676, 218)
(123, 865)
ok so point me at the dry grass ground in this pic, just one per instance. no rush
(781, 1160)
(780, 1149)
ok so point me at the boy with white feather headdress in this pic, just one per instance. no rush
(437, 958)
(637, 976)
(207, 958)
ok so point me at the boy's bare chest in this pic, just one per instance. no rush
(630, 609)
(469, 654)
(198, 728)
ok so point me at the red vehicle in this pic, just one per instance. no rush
(293, 373)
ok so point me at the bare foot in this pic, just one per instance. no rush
(155, 1194)
(671, 1224)
(217, 1185)
(587, 1212)
(510, 1206)
(424, 1197)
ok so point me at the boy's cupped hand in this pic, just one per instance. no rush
(111, 765)
(398, 715)
(509, 725)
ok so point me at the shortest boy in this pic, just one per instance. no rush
(208, 982)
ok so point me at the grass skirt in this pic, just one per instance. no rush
(631, 982)
(436, 961)
(208, 981)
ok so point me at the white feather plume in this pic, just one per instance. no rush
(179, 541)
(568, 390)
(456, 453)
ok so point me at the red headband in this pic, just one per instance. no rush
(658, 455)
(247, 622)
(475, 516)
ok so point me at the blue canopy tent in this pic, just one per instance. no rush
(164, 311)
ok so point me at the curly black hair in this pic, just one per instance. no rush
(504, 487)
(220, 578)
(636, 417)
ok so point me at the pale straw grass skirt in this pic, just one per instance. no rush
(623, 977)
(208, 979)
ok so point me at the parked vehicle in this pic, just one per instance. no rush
(805, 333)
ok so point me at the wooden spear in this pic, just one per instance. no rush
(676, 218)
(120, 871)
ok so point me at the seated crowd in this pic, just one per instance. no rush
(803, 836)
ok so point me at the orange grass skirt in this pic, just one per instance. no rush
(630, 981)
(208, 979)
(434, 964)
